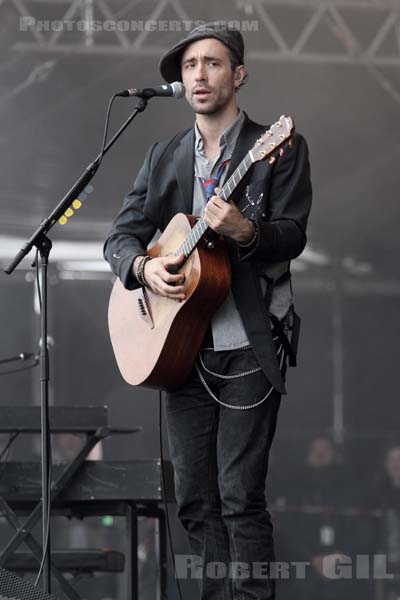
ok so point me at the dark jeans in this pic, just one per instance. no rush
(220, 458)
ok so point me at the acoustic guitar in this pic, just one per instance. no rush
(156, 339)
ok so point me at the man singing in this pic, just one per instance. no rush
(222, 420)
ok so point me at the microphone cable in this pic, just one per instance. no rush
(140, 106)
(106, 125)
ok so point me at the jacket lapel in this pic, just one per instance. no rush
(184, 161)
(184, 169)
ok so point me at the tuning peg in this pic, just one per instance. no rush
(259, 141)
(281, 152)
(271, 160)
(291, 144)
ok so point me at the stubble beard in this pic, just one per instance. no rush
(216, 106)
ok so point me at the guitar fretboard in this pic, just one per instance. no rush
(195, 235)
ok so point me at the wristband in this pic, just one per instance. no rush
(254, 238)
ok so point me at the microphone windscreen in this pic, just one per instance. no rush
(178, 89)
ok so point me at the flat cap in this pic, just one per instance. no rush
(170, 63)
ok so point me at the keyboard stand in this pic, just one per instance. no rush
(23, 531)
(129, 509)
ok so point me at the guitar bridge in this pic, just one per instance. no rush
(144, 308)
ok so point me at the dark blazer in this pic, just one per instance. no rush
(278, 196)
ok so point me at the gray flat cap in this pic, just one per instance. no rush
(170, 63)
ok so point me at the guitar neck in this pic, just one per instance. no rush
(198, 231)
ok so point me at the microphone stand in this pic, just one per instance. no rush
(43, 244)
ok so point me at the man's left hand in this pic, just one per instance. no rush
(224, 218)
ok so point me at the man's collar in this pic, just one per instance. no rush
(229, 136)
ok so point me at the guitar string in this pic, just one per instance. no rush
(196, 233)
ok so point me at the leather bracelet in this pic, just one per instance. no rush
(138, 265)
(143, 264)
(140, 270)
(254, 238)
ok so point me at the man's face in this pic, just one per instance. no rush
(208, 76)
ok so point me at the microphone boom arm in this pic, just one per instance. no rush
(37, 238)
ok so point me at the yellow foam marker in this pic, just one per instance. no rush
(69, 212)
(62, 220)
(77, 204)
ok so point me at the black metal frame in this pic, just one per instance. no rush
(130, 509)
(23, 531)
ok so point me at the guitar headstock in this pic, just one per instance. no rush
(273, 140)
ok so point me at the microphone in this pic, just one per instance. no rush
(175, 89)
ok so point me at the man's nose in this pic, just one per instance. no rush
(200, 72)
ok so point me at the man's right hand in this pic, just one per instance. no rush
(160, 280)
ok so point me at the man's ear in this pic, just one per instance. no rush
(240, 76)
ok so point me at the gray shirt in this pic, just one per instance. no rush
(227, 326)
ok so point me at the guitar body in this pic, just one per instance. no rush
(156, 339)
